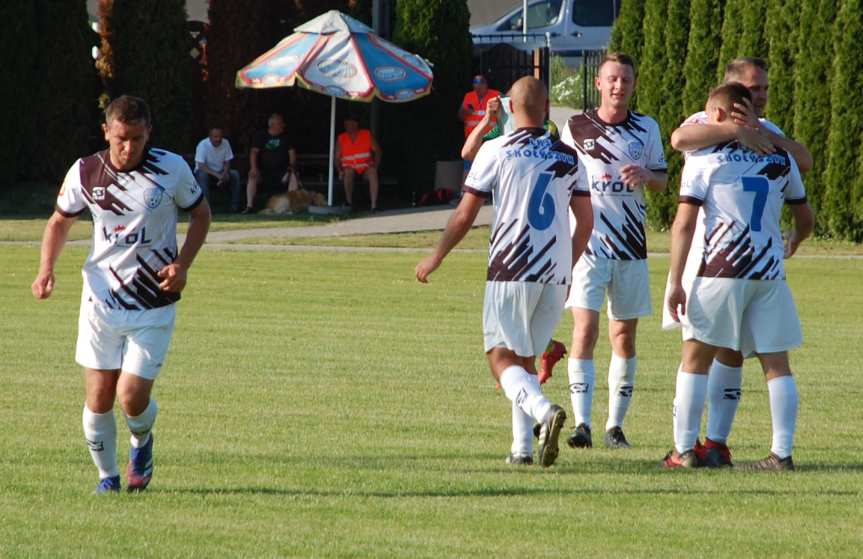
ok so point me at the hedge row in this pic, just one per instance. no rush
(816, 83)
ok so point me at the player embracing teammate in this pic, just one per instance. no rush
(739, 299)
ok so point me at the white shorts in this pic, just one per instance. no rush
(627, 282)
(751, 316)
(521, 316)
(133, 341)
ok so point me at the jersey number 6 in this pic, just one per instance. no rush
(760, 187)
(540, 209)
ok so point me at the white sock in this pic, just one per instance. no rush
(688, 406)
(621, 381)
(581, 381)
(142, 425)
(723, 396)
(100, 430)
(518, 387)
(522, 427)
(783, 412)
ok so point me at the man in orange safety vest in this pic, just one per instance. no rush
(358, 153)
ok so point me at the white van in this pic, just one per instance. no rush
(573, 26)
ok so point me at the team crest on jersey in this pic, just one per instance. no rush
(98, 193)
(589, 144)
(153, 197)
(635, 150)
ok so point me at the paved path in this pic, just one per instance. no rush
(394, 221)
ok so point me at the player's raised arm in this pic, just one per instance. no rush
(801, 211)
(474, 140)
(690, 137)
(53, 240)
(457, 226)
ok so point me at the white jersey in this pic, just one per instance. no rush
(741, 194)
(618, 210)
(134, 224)
(531, 179)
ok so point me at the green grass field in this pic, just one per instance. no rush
(322, 404)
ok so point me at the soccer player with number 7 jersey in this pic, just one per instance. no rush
(739, 298)
(534, 182)
(622, 153)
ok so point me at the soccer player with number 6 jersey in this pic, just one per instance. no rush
(739, 298)
(621, 151)
(533, 181)
(133, 277)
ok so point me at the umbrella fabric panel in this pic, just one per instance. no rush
(397, 75)
(278, 66)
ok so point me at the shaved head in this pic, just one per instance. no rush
(530, 98)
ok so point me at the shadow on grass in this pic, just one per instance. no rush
(493, 492)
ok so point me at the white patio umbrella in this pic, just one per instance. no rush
(339, 56)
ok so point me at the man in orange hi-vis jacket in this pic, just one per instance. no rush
(473, 107)
(358, 153)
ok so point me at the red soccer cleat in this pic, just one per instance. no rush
(713, 454)
(673, 460)
(552, 354)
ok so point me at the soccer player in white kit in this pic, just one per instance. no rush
(622, 154)
(748, 126)
(133, 277)
(534, 182)
(739, 298)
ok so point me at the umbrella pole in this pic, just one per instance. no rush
(332, 149)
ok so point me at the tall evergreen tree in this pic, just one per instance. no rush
(650, 94)
(661, 206)
(627, 35)
(844, 188)
(438, 31)
(260, 24)
(753, 41)
(782, 27)
(702, 54)
(812, 77)
(63, 129)
(18, 47)
(150, 57)
(732, 28)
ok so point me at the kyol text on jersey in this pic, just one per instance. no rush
(606, 184)
(539, 148)
(119, 236)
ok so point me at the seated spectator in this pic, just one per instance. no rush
(213, 167)
(358, 153)
(272, 161)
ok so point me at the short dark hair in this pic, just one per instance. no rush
(727, 94)
(734, 69)
(352, 116)
(620, 58)
(128, 109)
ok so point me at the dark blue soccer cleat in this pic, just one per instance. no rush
(108, 485)
(140, 468)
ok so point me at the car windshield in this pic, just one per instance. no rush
(539, 14)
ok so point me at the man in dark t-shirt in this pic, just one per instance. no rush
(272, 160)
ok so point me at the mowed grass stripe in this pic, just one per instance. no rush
(326, 405)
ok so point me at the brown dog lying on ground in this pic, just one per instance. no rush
(292, 202)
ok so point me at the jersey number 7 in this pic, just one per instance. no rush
(540, 208)
(760, 186)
